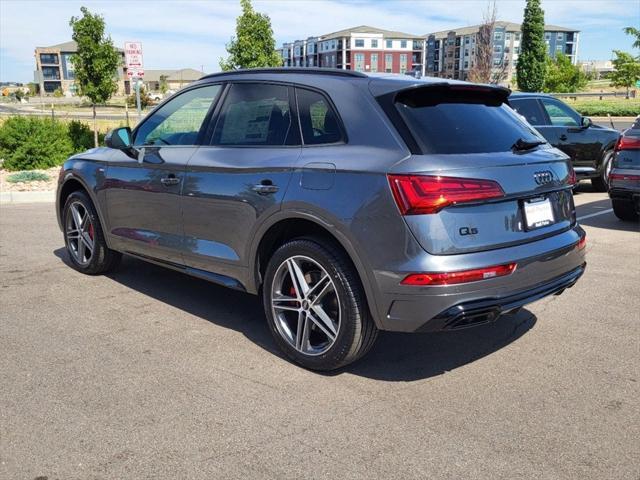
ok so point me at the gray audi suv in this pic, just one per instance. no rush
(351, 203)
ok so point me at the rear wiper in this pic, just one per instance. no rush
(522, 144)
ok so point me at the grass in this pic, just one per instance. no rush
(616, 107)
(28, 176)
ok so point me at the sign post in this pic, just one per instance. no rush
(135, 67)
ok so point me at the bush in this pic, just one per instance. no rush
(81, 136)
(602, 108)
(28, 143)
(28, 176)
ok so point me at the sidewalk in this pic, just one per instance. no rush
(27, 197)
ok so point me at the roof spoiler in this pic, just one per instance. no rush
(444, 92)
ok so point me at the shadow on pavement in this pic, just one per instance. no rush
(607, 220)
(394, 357)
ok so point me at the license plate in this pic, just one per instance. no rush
(538, 213)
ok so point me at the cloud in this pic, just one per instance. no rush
(178, 34)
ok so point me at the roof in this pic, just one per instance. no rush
(508, 26)
(367, 29)
(290, 71)
(183, 74)
(70, 46)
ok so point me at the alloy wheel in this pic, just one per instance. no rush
(305, 305)
(80, 233)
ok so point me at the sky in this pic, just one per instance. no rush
(192, 34)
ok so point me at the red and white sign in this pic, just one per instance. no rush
(133, 59)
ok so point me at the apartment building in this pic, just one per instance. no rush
(362, 48)
(54, 70)
(452, 53)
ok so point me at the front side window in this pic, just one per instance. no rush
(178, 122)
(255, 114)
(318, 121)
(560, 114)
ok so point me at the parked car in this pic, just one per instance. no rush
(350, 203)
(624, 179)
(589, 146)
(155, 96)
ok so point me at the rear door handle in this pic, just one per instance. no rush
(169, 180)
(563, 137)
(265, 188)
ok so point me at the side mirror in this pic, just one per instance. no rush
(119, 138)
(585, 122)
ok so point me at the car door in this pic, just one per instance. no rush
(241, 177)
(533, 111)
(580, 143)
(143, 189)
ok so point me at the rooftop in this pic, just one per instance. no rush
(508, 26)
(183, 74)
(70, 46)
(368, 29)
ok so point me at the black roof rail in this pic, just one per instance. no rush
(304, 70)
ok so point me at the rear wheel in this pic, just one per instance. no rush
(315, 305)
(624, 210)
(84, 238)
(601, 183)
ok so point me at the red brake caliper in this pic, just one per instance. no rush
(91, 231)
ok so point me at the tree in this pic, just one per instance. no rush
(562, 76)
(95, 62)
(483, 69)
(254, 45)
(164, 86)
(626, 70)
(533, 50)
(634, 32)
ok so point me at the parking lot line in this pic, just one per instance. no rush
(584, 217)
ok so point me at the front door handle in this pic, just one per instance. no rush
(563, 137)
(169, 180)
(265, 187)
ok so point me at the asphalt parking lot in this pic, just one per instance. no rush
(148, 373)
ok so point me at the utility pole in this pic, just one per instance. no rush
(138, 97)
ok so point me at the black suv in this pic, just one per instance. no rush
(589, 146)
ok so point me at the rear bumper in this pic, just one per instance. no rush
(544, 267)
(474, 313)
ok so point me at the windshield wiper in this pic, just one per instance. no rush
(522, 144)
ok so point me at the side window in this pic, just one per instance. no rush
(560, 114)
(530, 109)
(178, 121)
(318, 121)
(255, 114)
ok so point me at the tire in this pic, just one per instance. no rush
(86, 246)
(295, 319)
(601, 182)
(624, 210)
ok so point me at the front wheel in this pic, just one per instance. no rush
(601, 182)
(315, 305)
(624, 210)
(84, 238)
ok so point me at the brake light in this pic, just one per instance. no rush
(572, 179)
(581, 243)
(628, 143)
(624, 176)
(423, 194)
(464, 276)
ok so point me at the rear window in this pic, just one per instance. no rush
(443, 121)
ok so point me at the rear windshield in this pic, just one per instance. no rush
(462, 122)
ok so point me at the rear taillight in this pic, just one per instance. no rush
(464, 276)
(581, 243)
(628, 143)
(623, 176)
(423, 194)
(572, 179)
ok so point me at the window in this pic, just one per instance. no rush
(560, 36)
(374, 62)
(466, 64)
(359, 62)
(497, 48)
(388, 63)
(374, 43)
(359, 42)
(560, 114)
(507, 36)
(403, 63)
(178, 122)
(389, 43)
(255, 114)
(51, 73)
(466, 40)
(49, 58)
(516, 50)
(497, 36)
(547, 36)
(530, 109)
(403, 44)
(517, 36)
(452, 123)
(318, 121)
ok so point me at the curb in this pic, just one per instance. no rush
(27, 197)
